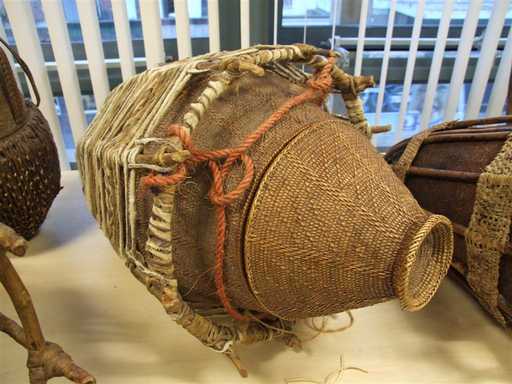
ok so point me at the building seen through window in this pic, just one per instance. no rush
(299, 19)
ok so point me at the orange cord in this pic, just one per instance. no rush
(318, 87)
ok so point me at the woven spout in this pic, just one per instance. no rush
(424, 263)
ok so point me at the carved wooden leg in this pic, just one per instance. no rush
(45, 359)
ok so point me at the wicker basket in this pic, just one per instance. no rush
(323, 225)
(29, 165)
(463, 170)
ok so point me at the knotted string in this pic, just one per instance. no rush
(318, 88)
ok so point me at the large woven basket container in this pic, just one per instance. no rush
(323, 226)
(463, 170)
(29, 164)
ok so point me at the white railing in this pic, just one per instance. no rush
(124, 38)
(22, 23)
(437, 61)
(65, 63)
(385, 60)
(152, 32)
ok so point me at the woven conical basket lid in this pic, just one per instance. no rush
(329, 226)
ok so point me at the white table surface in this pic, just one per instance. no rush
(89, 303)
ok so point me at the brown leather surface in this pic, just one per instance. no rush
(455, 199)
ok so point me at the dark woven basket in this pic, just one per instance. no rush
(443, 171)
(29, 164)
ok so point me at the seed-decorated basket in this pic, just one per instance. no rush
(29, 164)
(463, 169)
(243, 205)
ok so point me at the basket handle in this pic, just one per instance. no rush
(25, 69)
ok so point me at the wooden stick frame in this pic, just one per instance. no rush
(45, 359)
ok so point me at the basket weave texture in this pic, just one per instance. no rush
(323, 239)
(29, 165)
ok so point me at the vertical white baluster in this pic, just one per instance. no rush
(305, 28)
(385, 60)
(124, 38)
(461, 62)
(409, 70)
(245, 23)
(501, 82)
(152, 31)
(213, 25)
(93, 49)
(486, 58)
(24, 30)
(334, 7)
(304, 40)
(61, 45)
(182, 29)
(276, 16)
(360, 37)
(437, 61)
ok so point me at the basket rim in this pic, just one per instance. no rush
(436, 227)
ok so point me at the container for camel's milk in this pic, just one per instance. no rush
(243, 205)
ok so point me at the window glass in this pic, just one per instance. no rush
(198, 13)
(321, 12)
(311, 19)
(391, 108)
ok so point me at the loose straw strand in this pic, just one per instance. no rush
(310, 323)
(319, 330)
(333, 377)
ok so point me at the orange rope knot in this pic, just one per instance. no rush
(318, 88)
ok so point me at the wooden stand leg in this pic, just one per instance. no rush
(45, 359)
